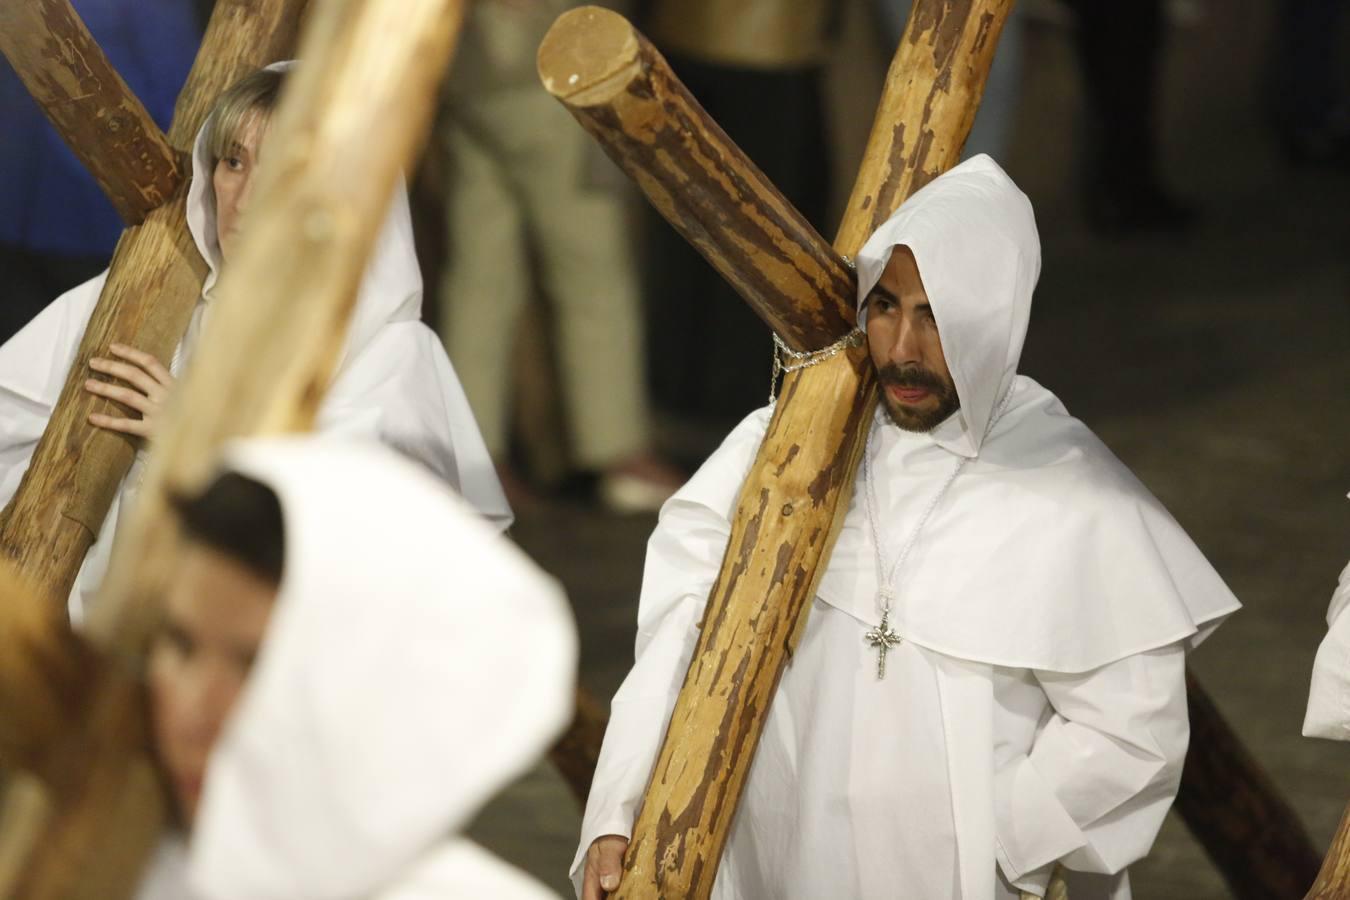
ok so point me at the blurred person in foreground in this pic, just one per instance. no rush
(350, 664)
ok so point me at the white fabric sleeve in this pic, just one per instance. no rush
(684, 555)
(1101, 773)
(33, 368)
(1328, 713)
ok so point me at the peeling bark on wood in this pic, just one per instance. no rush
(90, 106)
(622, 91)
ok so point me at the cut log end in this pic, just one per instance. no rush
(589, 56)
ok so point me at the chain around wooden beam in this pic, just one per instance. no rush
(91, 107)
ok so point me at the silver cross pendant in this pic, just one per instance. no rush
(883, 638)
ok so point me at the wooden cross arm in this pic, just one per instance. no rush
(89, 104)
(623, 92)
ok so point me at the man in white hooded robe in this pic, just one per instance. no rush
(394, 382)
(377, 705)
(1037, 606)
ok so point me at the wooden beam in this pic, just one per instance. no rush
(793, 500)
(1233, 809)
(91, 107)
(154, 283)
(1333, 881)
(621, 90)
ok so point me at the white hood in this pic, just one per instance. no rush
(973, 236)
(415, 663)
(391, 290)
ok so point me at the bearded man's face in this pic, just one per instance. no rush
(902, 337)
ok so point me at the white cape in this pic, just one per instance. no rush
(415, 663)
(394, 384)
(1328, 713)
(1035, 710)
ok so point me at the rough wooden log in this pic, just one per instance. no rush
(793, 500)
(1333, 881)
(89, 104)
(155, 280)
(1235, 812)
(622, 91)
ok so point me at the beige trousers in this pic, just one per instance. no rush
(524, 219)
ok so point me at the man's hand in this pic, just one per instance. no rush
(604, 865)
(149, 385)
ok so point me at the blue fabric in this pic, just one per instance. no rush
(48, 202)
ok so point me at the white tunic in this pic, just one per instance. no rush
(1035, 710)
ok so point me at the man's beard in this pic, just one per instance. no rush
(918, 377)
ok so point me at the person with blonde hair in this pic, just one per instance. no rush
(394, 382)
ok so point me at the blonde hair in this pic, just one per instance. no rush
(254, 94)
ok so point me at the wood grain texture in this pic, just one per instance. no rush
(154, 283)
(1231, 806)
(792, 503)
(371, 67)
(1333, 881)
(933, 90)
(622, 91)
(91, 107)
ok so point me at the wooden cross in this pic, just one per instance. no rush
(792, 502)
(86, 806)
